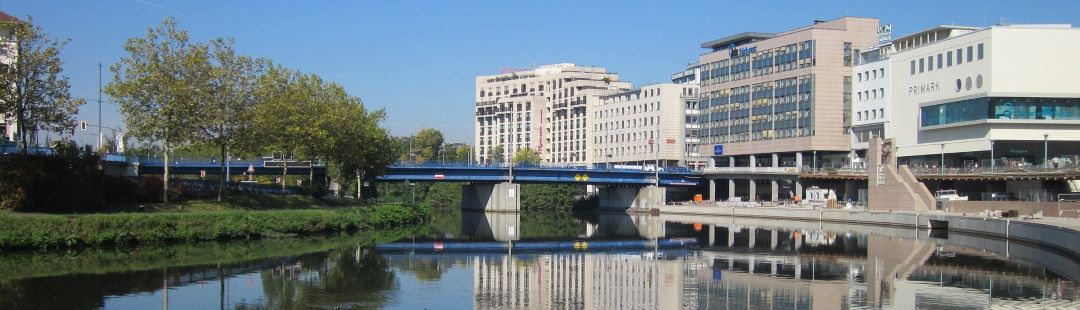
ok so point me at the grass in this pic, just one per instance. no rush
(210, 222)
(240, 201)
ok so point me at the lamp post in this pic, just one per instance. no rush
(941, 168)
(1046, 148)
(992, 156)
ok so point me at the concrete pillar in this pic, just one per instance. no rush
(773, 239)
(491, 197)
(753, 237)
(712, 190)
(798, 188)
(798, 242)
(753, 161)
(798, 160)
(730, 189)
(712, 235)
(775, 191)
(731, 237)
(622, 198)
(775, 160)
(753, 190)
(731, 161)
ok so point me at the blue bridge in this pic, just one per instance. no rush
(235, 167)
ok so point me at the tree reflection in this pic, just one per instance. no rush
(336, 279)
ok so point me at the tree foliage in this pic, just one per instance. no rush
(427, 143)
(526, 156)
(38, 95)
(159, 86)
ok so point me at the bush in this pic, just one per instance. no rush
(60, 183)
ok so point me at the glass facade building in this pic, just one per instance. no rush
(1018, 108)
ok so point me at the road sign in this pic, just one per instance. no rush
(439, 176)
(577, 177)
(584, 177)
(718, 149)
(202, 173)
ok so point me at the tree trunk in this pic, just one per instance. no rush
(221, 188)
(20, 125)
(165, 193)
(284, 170)
(359, 186)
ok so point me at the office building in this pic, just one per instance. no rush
(1004, 97)
(652, 124)
(772, 99)
(544, 109)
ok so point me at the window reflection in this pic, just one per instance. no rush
(1001, 108)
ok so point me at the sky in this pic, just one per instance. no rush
(418, 59)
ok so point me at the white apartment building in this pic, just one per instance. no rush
(869, 83)
(544, 109)
(969, 95)
(655, 123)
(8, 50)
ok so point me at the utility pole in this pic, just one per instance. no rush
(100, 137)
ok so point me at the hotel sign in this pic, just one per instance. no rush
(924, 88)
(735, 51)
(884, 33)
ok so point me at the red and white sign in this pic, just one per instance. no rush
(439, 177)
(670, 141)
(438, 246)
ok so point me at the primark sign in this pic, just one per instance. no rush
(924, 88)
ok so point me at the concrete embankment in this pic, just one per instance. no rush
(1058, 233)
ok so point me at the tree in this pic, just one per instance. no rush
(158, 85)
(496, 156)
(288, 114)
(462, 153)
(427, 143)
(526, 156)
(226, 114)
(35, 91)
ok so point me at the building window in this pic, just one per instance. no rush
(980, 51)
(948, 59)
(930, 63)
(959, 56)
(939, 61)
(922, 65)
(912, 67)
(970, 54)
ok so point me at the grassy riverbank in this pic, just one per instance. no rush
(19, 230)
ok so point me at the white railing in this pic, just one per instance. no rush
(753, 170)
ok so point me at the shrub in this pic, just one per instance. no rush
(60, 183)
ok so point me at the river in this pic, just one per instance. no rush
(774, 264)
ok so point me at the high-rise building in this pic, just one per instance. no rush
(8, 50)
(655, 123)
(772, 99)
(543, 109)
(871, 80)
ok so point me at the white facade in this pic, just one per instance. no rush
(544, 109)
(8, 52)
(654, 123)
(870, 81)
(957, 90)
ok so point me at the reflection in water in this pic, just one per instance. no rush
(740, 264)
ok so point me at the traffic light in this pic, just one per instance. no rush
(82, 125)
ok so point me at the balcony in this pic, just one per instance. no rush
(693, 112)
(693, 126)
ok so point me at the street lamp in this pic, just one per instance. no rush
(1046, 143)
(992, 156)
(941, 168)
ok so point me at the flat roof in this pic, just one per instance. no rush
(737, 39)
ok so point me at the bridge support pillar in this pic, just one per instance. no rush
(491, 197)
(622, 198)
(753, 237)
(798, 189)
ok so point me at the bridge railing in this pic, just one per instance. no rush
(604, 167)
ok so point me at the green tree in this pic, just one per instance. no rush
(289, 114)
(526, 156)
(227, 110)
(158, 85)
(462, 153)
(427, 143)
(496, 156)
(35, 91)
(357, 142)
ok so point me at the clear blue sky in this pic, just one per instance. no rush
(418, 59)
